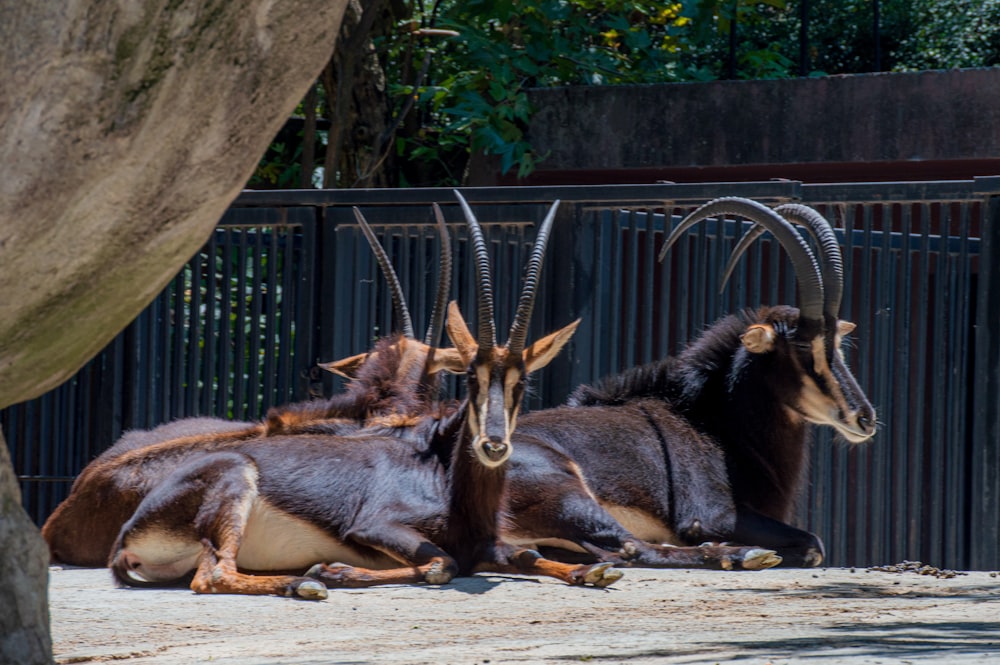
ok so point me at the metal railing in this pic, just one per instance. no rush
(288, 281)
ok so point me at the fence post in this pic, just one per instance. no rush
(561, 375)
(985, 465)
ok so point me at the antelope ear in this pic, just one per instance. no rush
(348, 367)
(541, 353)
(446, 360)
(845, 327)
(759, 338)
(458, 332)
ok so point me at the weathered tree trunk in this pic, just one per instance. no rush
(358, 103)
(126, 129)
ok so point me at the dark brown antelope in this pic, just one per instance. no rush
(383, 511)
(711, 445)
(391, 386)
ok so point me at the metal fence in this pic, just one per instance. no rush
(287, 281)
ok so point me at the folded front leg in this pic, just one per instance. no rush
(217, 574)
(419, 560)
(509, 559)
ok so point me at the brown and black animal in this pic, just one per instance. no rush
(710, 445)
(391, 385)
(391, 513)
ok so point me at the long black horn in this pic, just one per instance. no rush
(519, 328)
(830, 259)
(487, 332)
(436, 325)
(810, 282)
(398, 302)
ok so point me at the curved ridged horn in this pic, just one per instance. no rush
(830, 259)
(519, 328)
(487, 333)
(398, 302)
(810, 282)
(436, 325)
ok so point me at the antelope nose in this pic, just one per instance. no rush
(866, 421)
(495, 449)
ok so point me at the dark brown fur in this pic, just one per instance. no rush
(392, 392)
(713, 446)
(378, 497)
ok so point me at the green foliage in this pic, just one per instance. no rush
(279, 168)
(472, 91)
(476, 98)
(952, 33)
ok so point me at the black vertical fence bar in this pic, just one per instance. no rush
(255, 296)
(681, 255)
(648, 302)
(884, 337)
(939, 331)
(600, 278)
(857, 309)
(306, 275)
(630, 286)
(195, 333)
(271, 299)
(336, 289)
(616, 275)
(986, 416)
(959, 428)
(213, 294)
(240, 389)
(565, 281)
(923, 492)
(284, 335)
(664, 286)
(177, 346)
(224, 386)
(902, 296)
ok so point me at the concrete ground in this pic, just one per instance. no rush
(831, 615)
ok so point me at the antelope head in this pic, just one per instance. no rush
(415, 360)
(826, 392)
(497, 375)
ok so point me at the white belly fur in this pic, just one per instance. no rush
(643, 525)
(275, 540)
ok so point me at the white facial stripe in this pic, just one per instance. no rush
(820, 409)
(510, 382)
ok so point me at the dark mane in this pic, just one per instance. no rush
(670, 378)
(380, 386)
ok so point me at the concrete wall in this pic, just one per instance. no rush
(936, 125)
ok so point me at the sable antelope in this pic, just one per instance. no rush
(392, 514)
(391, 385)
(717, 438)
(550, 497)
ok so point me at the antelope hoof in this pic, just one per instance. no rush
(311, 590)
(333, 574)
(601, 575)
(438, 573)
(813, 558)
(758, 559)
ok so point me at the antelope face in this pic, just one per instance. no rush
(827, 393)
(497, 377)
(496, 388)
